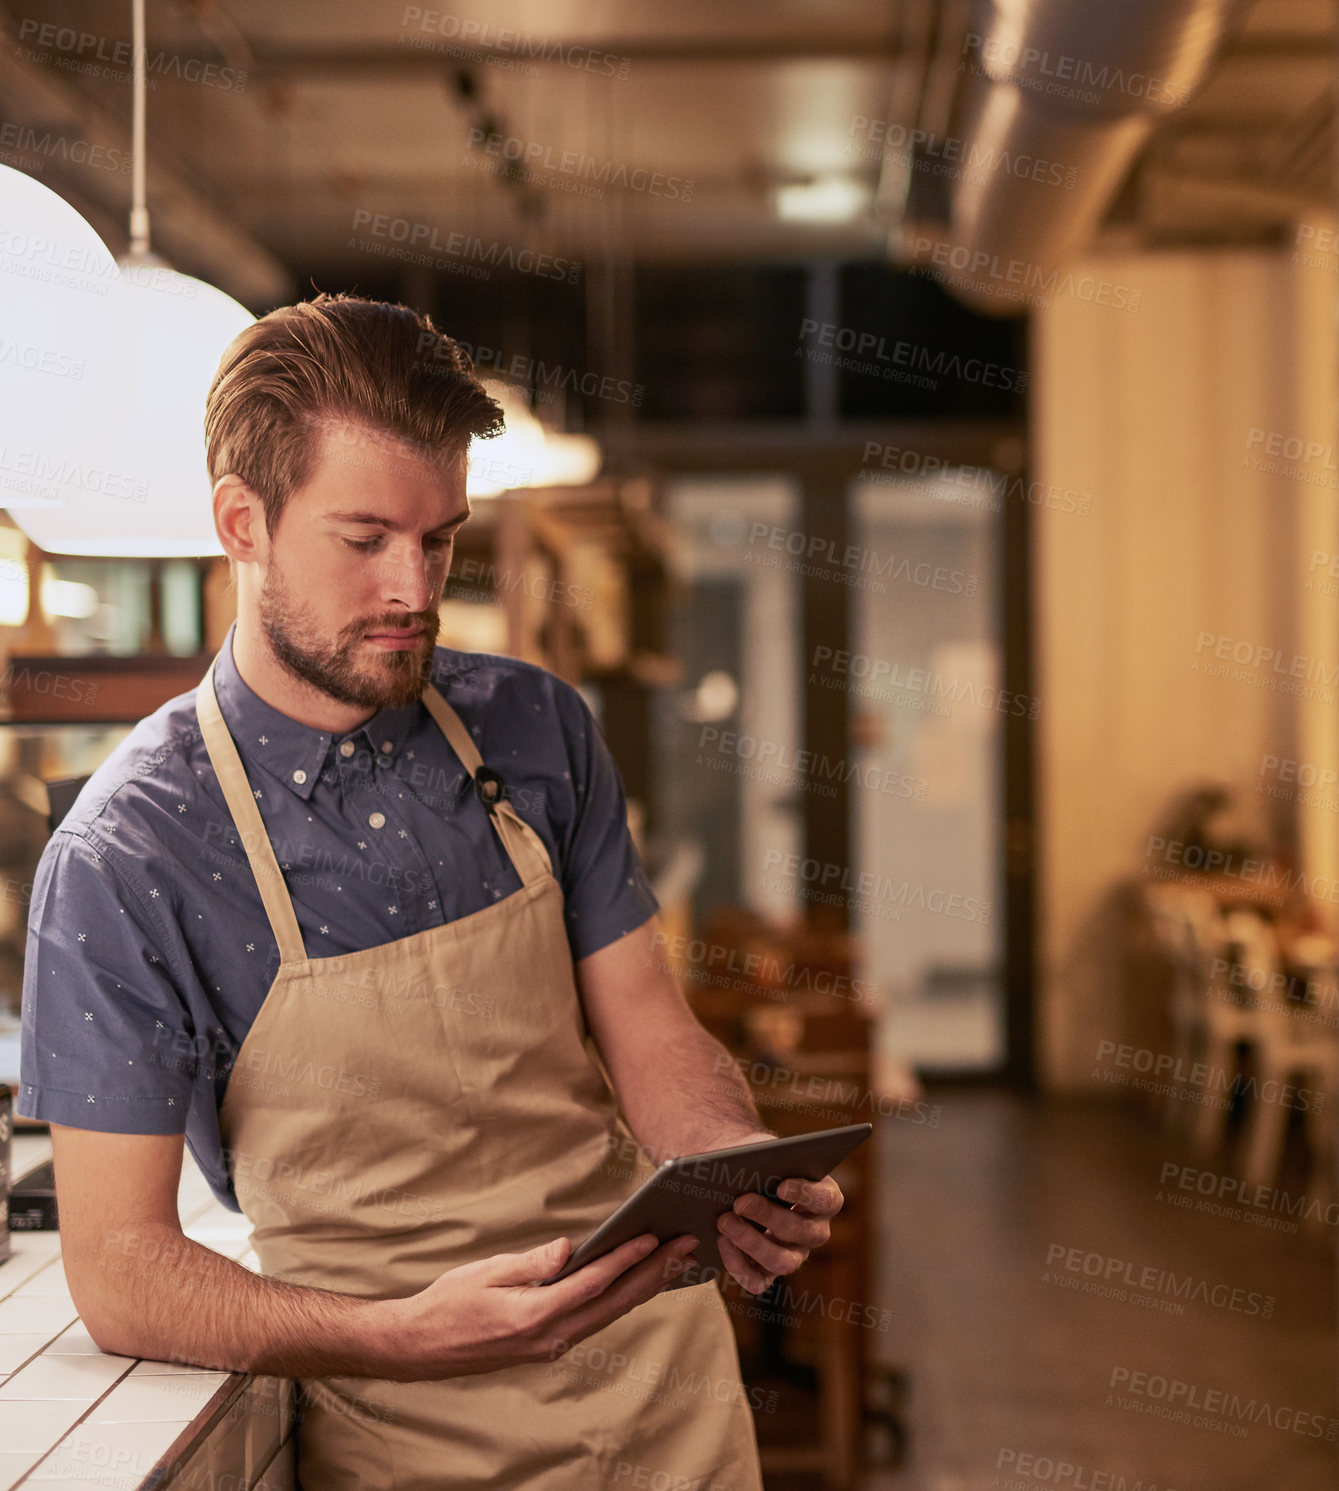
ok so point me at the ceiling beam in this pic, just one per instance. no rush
(438, 52)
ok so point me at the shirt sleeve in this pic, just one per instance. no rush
(604, 884)
(106, 1036)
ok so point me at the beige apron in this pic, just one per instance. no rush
(402, 1110)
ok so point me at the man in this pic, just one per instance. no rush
(360, 920)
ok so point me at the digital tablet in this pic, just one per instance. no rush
(688, 1194)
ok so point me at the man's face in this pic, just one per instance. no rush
(357, 564)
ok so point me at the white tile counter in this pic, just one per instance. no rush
(72, 1416)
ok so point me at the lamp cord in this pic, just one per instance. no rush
(139, 209)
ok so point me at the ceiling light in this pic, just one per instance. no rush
(151, 497)
(64, 328)
(149, 494)
(824, 199)
(526, 454)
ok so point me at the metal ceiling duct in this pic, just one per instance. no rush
(1055, 100)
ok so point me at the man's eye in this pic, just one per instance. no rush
(363, 545)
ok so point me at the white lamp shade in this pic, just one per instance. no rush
(154, 498)
(66, 345)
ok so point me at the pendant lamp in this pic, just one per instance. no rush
(64, 330)
(156, 500)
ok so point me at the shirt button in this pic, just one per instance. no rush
(299, 777)
(347, 749)
(386, 745)
(377, 820)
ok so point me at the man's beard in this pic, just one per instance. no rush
(390, 678)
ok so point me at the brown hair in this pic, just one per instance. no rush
(337, 357)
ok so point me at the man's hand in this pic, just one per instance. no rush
(495, 1313)
(756, 1259)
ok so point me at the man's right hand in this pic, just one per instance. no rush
(145, 1289)
(492, 1314)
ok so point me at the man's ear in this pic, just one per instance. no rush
(239, 520)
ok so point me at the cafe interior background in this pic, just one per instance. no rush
(922, 455)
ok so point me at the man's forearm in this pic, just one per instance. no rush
(160, 1295)
(690, 1097)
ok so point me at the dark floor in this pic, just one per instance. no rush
(1005, 1361)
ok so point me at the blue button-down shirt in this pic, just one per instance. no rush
(149, 953)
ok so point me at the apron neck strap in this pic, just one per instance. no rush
(238, 795)
(528, 853)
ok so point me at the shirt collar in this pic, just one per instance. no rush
(291, 752)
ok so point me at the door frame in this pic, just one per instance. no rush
(824, 461)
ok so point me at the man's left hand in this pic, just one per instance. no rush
(757, 1259)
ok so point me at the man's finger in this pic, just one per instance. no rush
(745, 1270)
(816, 1198)
(769, 1254)
(798, 1228)
(595, 1277)
(634, 1287)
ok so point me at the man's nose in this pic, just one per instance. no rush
(410, 577)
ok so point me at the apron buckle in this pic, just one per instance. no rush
(489, 788)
